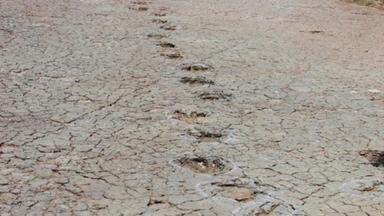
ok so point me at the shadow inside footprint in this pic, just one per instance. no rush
(207, 135)
(316, 32)
(196, 67)
(159, 21)
(213, 96)
(166, 45)
(172, 54)
(155, 36)
(160, 13)
(168, 27)
(138, 7)
(208, 165)
(189, 118)
(140, 2)
(196, 80)
(374, 157)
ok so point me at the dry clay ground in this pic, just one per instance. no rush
(180, 107)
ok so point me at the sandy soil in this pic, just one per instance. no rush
(180, 107)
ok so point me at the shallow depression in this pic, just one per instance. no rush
(208, 165)
(196, 67)
(238, 189)
(192, 117)
(215, 95)
(200, 80)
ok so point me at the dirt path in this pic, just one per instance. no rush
(178, 107)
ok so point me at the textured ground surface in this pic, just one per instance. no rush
(373, 3)
(100, 115)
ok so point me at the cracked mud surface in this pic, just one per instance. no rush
(88, 101)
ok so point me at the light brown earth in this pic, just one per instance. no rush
(180, 107)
